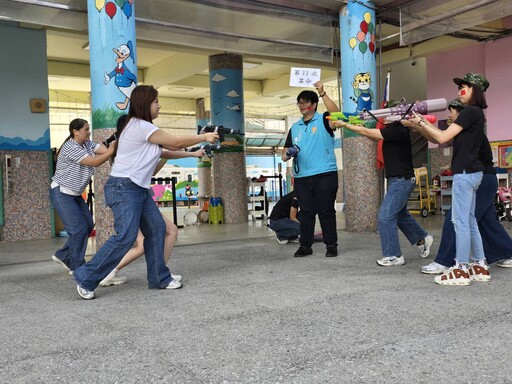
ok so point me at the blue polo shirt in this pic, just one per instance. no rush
(316, 142)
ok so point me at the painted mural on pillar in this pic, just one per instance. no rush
(226, 106)
(113, 57)
(358, 49)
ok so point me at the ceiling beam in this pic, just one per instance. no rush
(175, 68)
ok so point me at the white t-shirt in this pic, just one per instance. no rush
(136, 157)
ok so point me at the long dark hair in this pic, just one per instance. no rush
(478, 97)
(76, 124)
(140, 108)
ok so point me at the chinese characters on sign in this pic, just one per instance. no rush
(304, 77)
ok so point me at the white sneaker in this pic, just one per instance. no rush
(84, 293)
(434, 269)
(507, 263)
(285, 241)
(174, 284)
(112, 279)
(425, 248)
(176, 277)
(391, 261)
(60, 262)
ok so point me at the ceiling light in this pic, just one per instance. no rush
(251, 64)
(182, 89)
(55, 79)
(85, 47)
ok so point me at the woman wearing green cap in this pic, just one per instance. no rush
(467, 133)
(496, 241)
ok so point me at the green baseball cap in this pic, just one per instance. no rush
(473, 79)
(455, 103)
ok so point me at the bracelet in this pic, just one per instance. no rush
(322, 95)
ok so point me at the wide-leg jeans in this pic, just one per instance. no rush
(496, 241)
(393, 214)
(467, 235)
(78, 223)
(132, 207)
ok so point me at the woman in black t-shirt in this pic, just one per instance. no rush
(467, 132)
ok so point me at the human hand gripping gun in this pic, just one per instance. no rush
(208, 149)
(221, 130)
(405, 110)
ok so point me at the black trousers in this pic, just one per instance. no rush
(316, 196)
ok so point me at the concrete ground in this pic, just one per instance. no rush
(250, 312)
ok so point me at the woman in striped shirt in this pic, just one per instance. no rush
(76, 160)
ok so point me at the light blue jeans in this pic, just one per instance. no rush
(78, 223)
(393, 214)
(467, 235)
(133, 207)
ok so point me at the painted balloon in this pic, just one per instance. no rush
(367, 17)
(372, 38)
(130, 1)
(120, 3)
(361, 35)
(363, 47)
(127, 9)
(372, 47)
(352, 42)
(100, 4)
(364, 26)
(111, 9)
(371, 27)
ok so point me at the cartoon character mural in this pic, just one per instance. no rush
(125, 80)
(362, 92)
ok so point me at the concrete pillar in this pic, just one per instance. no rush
(227, 109)
(204, 165)
(358, 68)
(113, 67)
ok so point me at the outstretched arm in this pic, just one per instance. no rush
(371, 133)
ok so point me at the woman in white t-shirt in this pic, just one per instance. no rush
(127, 193)
(76, 160)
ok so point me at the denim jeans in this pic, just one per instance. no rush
(133, 207)
(393, 214)
(467, 235)
(316, 195)
(495, 239)
(78, 223)
(285, 228)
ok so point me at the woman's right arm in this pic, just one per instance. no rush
(169, 141)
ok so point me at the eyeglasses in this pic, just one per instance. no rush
(303, 103)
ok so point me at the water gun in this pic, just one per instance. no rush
(221, 130)
(405, 110)
(351, 119)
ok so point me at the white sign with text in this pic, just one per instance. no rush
(304, 77)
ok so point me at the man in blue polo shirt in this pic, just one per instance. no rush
(310, 143)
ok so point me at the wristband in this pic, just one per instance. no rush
(322, 95)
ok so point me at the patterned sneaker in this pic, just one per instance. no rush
(425, 248)
(84, 293)
(479, 273)
(507, 263)
(454, 276)
(390, 261)
(174, 284)
(113, 279)
(284, 241)
(434, 269)
(60, 262)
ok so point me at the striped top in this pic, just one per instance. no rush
(69, 173)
